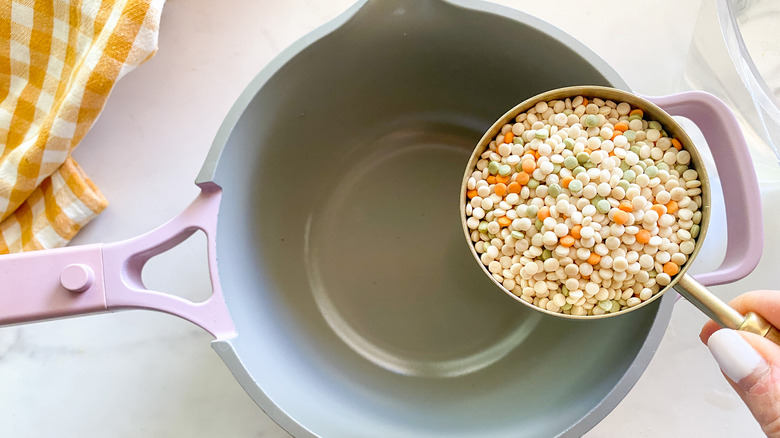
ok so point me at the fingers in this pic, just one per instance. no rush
(709, 328)
(750, 362)
(764, 302)
(766, 348)
(752, 365)
(736, 357)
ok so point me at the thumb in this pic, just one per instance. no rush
(752, 365)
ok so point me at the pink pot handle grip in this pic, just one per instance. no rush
(42, 285)
(95, 278)
(740, 185)
(125, 260)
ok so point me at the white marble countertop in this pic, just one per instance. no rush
(139, 373)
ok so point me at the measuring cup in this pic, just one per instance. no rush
(740, 191)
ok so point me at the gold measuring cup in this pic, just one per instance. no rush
(740, 190)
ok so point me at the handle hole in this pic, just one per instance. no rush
(182, 270)
(714, 247)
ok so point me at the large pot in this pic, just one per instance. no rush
(346, 302)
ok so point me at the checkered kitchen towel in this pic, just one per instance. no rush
(59, 60)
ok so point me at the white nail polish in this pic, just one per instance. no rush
(736, 357)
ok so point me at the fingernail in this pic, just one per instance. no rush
(736, 357)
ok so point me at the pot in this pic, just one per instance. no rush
(345, 303)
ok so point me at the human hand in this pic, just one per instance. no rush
(749, 361)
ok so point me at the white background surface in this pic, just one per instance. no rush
(140, 373)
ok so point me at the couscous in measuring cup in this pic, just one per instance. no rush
(740, 191)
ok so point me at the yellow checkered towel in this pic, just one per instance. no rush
(59, 60)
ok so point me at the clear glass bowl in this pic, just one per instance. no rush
(735, 54)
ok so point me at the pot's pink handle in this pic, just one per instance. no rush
(738, 177)
(51, 284)
(124, 262)
(63, 282)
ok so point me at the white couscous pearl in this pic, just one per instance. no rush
(666, 220)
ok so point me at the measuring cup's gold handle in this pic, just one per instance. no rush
(720, 312)
(757, 324)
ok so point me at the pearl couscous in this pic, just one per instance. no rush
(584, 207)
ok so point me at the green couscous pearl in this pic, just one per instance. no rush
(541, 134)
(655, 125)
(695, 231)
(589, 165)
(634, 117)
(569, 143)
(538, 224)
(554, 190)
(624, 166)
(518, 140)
(571, 162)
(565, 291)
(629, 175)
(605, 305)
(556, 168)
(532, 183)
(566, 306)
(662, 166)
(634, 149)
(651, 171)
(532, 210)
(623, 184)
(518, 235)
(546, 254)
(642, 164)
(603, 206)
(591, 120)
(575, 186)
(504, 169)
(681, 168)
(483, 227)
(596, 199)
(568, 112)
(577, 170)
(583, 157)
(630, 135)
(493, 167)
(615, 306)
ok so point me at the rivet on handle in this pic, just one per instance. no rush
(77, 277)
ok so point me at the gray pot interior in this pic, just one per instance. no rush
(359, 308)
